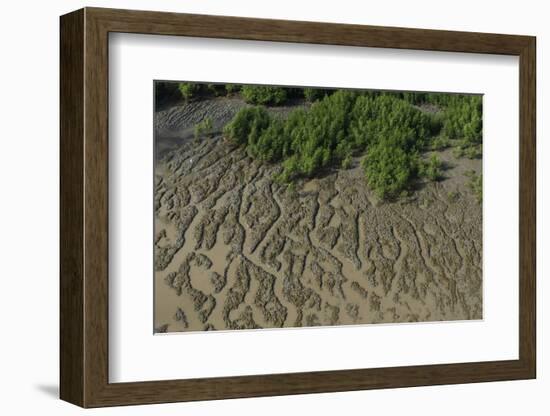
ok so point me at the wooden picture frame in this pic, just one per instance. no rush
(84, 207)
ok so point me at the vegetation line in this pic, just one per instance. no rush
(387, 131)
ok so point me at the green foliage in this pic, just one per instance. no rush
(232, 88)
(440, 143)
(431, 169)
(436, 121)
(389, 168)
(463, 119)
(375, 117)
(265, 95)
(314, 94)
(439, 99)
(460, 120)
(476, 185)
(313, 139)
(387, 128)
(332, 131)
(247, 126)
(415, 98)
(347, 162)
(393, 132)
(204, 127)
(291, 189)
(473, 151)
(216, 89)
(188, 89)
(464, 149)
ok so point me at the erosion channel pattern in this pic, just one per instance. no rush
(236, 249)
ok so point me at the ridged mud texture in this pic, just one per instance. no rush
(236, 250)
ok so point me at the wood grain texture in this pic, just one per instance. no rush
(84, 207)
(71, 208)
(96, 208)
(225, 27)
(527, 207)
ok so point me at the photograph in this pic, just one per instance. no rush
(285, 206)
(247, 208)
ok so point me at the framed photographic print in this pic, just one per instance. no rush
(256, 207)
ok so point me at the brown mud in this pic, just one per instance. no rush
(236, 250)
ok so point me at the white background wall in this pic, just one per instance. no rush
(29, 206)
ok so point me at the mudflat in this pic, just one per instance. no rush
(234, 249)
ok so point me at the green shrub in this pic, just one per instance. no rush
(216, 89)
(431, 169)
(290, 169)
(265, 95)
(463, 119)
(384, 127)
(466, 149)
(232, 88)
(439, 99)
(476, 185)
(291, 189)
(389, 169)
(247, 125)
(440, 143)
(314, 94)
(460, 118)
(347, 162)
(270, 145)
(458, 152)
(436, 121)
(376, 117)
(473, 152)
(188, 89)
(204, 127)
